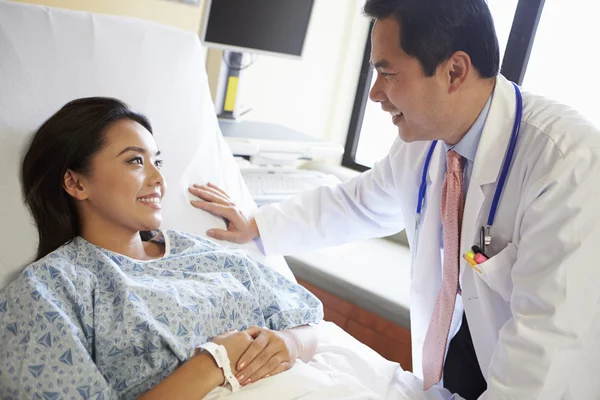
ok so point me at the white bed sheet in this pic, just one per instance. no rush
(343, 368)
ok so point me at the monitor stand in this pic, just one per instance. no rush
(229, 97)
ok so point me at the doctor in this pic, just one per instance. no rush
(523, 322)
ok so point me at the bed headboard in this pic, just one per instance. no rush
(51, 56)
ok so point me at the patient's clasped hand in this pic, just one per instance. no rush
(103, 313)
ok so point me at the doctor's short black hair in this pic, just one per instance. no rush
(433, 30)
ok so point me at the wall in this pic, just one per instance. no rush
(391, 341)
(180, 15)
(314, 95)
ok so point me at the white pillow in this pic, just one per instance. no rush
(51, 56)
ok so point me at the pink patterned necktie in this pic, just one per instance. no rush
(434, 347)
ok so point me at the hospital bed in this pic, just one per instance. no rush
(51, 56)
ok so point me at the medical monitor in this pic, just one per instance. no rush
(258, 26)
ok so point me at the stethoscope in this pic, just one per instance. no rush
(485, 237)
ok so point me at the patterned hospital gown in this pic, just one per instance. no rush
(84, 322)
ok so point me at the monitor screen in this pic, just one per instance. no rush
(274, 26)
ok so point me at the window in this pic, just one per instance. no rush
(563, 61)
(503, 12)
(379, 133)
(371, 132)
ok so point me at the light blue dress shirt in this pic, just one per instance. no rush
(467, 147)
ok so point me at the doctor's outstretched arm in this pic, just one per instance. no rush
(364, 207)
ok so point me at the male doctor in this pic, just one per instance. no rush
(525, 324)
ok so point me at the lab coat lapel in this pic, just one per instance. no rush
(488, 163)
(427, 268)
(435, 173)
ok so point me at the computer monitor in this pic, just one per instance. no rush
(276, 27)
(242, 27)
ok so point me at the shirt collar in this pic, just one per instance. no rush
(467, 147)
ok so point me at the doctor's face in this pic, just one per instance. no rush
(417, 104)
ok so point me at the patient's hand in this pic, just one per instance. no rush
(236, 344)
(270, 353)
(240, 229)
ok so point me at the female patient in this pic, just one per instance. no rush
(110, 309)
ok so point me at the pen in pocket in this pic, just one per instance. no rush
(469, 256)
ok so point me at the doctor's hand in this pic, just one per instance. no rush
(240, 229)
(271, 353)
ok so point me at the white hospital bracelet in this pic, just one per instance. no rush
(219, 353)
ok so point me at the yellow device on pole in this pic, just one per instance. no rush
(230, 96)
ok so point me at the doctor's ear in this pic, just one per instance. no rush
(74, 185)
(457, 70)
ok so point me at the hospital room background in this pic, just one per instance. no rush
(322, 95)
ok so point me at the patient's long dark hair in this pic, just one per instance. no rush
(67, 140)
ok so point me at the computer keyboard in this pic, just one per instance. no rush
(270, 185)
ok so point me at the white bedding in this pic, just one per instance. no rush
(343, 368)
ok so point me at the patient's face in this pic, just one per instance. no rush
(125, 185)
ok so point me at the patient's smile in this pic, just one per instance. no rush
(152, 200)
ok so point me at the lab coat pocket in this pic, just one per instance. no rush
(496, 272)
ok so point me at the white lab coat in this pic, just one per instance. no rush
(534, 312)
